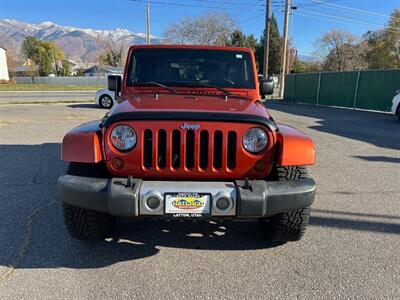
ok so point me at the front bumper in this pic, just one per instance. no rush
(125, 197)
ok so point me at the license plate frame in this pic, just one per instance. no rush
(189, 208)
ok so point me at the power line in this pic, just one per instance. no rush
(251, 18)
(353, 21)
(348, 8)
(341, 20)
(190, 5)
(245, 3)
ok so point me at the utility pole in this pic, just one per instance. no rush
(266, 39)
(284, 50)
(148, 24)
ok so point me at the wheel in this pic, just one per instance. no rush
(106, 101)
(85, 224)
(291, 225)
(398, 111)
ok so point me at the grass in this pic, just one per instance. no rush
(45, 87)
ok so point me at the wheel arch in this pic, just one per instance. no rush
(294, 148)
(83, 144)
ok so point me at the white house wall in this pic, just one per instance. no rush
(3, 65)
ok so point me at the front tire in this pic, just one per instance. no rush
(83, 224)
(291, 225)
(106, 101)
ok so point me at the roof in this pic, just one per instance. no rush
(105, 69)
(164, 46)
(1, 46)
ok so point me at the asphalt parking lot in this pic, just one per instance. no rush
(350, 250)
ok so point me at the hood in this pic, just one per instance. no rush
(190, 103)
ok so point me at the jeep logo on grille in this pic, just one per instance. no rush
(186, 126)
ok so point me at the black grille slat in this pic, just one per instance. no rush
(231, 163)
(176, 149)
(162, 148)
(203, 149)
(218, 149)
(190, 149)
(147, 148)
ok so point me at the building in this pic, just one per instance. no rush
(3, 64)
(103, 71)
(23, 68)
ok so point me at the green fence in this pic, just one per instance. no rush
(372, 90)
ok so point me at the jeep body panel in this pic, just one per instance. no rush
(83, 144)
(294, 147)
(199, 137)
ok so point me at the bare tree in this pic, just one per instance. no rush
(341, 51)
(113, 54)
(212, 28)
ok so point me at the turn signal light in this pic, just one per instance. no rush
(117, 163)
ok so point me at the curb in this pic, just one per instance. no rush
(44, 102)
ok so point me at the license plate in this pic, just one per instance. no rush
(187, 205)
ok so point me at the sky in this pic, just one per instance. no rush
(307, 22)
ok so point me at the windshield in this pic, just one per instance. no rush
(191, 67)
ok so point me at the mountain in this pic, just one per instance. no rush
(80, 45)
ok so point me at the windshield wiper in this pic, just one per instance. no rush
(157, 84)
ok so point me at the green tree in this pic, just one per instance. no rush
(66, 68)
(29, 48)
(46, 55)
(274, 49)
(239, 39)
(300, 67)
(384, 45)
(79, 72)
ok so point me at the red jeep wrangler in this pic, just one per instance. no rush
(190, 140)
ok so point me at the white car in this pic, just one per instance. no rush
(396, 104)
(105, 98)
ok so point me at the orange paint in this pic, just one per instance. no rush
(294, 147)
(82, 144)
(286, 147)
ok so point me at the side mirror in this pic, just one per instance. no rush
(266, 87)
(114, 84)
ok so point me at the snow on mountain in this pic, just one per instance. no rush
(81, 45)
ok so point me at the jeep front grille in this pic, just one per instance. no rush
(166, 151)
(189, 149)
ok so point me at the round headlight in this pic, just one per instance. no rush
(123, 138)
(255, 140)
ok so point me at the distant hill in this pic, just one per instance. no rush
(80, 45)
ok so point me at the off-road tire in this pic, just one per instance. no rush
(85, 224)
(291, 225)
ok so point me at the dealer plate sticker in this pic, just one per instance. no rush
(187, 205)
